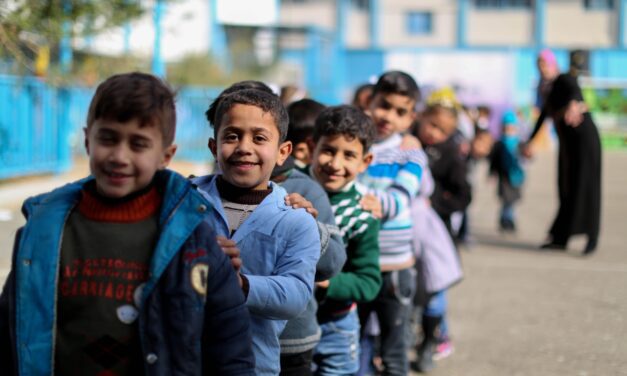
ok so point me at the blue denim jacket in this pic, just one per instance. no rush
(279, 248)
(171, 346)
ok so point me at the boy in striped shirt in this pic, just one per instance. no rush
(394, 177)
(343, 136)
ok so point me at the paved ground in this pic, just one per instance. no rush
(519, 311)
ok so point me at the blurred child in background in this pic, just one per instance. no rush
(451, 194)
(302, 115)
(362, 96)
(505, 164)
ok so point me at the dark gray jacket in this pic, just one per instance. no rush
(302, 333)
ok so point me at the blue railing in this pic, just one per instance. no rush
(33, 130)
(41, 126)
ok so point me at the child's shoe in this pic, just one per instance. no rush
(424, 356)
(443, 349)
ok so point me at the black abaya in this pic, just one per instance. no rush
(579, 166)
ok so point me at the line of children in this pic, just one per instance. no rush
(142, 281)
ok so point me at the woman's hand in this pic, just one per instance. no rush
(525, 150)
(573, 115)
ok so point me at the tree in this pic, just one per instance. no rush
(28, 27)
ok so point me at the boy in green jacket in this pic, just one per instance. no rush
(343, 136)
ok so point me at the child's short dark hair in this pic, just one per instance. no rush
(358, 92)
(241, 85)
(136, 95)
(302, 115)
(348, 121)
(267, 102)
(397, 82)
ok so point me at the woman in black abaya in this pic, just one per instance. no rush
(579, 164)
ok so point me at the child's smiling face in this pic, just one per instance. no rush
(247, 147)
(392, 113)
(124, 157)
(337, 161)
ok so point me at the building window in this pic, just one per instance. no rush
(419, 23)
(361, 4)
(598, 4)
(503, 3)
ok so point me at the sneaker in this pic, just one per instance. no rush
(443, 349)
(424, 357)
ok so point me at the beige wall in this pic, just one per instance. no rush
(358, 29)
(499, 27)
(569, 24)
(318, 13)
(394, 29)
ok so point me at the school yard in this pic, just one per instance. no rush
(519, 310)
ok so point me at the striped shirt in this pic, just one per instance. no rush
(394, 177)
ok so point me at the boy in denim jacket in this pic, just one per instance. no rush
(279, 246)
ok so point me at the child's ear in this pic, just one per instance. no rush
(86, 132)
(168, 154)
(311, 145)
(285, 150)
(366, 162)
(213, 147)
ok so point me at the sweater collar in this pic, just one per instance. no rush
(135, 207)
(240, 195)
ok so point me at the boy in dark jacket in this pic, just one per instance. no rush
(118, 273)
(302, 333)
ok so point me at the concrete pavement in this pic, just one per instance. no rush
(519, 310)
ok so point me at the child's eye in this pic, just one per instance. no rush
(139, 145)
(260, 138)
(106, 139)
(230, 137)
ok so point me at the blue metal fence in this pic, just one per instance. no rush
(33, 130)
(41, 126)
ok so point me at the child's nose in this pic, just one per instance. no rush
(119, 154)
(336, 163)
(244, 145)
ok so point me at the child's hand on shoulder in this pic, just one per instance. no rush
(297, 201)
(229, 247)
(372, 204)
(323, 284)
(410, 142)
